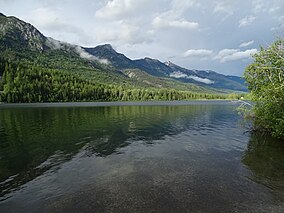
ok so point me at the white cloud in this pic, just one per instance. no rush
(128, 25)
(122, 32)
(174, 17)
(274, 9)
(246, 44)
(226, 55)
(85, 55)
(202, 80)
(55, 44)
(160, 22)
(198, 53)
(49, 20)
(246, 21)
(259, 6)
(179, 74)
(181, 6)
(223, 7)
(121, 8)
(44, 17)
(225, 52)
(125, 22)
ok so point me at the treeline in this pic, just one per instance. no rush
(265, 79)
(23, 83)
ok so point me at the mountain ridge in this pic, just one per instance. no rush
(157, 68)
(20, 36)
(26, 36)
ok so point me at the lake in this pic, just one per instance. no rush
(194, 156)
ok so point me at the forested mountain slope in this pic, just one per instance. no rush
(35, 68)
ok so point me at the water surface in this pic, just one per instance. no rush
(157, 157)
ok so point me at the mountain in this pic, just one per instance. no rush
(22, 43)
(18, 35)
(154, 67)
(106, 51)
(207, 78)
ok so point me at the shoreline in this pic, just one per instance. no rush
(117, 103)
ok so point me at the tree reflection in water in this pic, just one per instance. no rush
(264, 157)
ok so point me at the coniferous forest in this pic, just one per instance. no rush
(25, 83)
(34, 68)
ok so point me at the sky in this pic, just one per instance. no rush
(219, 35)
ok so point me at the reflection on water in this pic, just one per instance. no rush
(183, 158)
(264, 157)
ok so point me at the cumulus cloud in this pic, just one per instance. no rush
(158, 29)
(246, 21)
(159, 22)
(121, 8)
(226, 55)
(49, 20)
(246, 44)
(125, 32)
(174, 17)
(225, 52)
(198, 53)
(44, 16)
(124, 22)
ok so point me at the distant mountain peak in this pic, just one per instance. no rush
(1, 14)
(107, 46)
(106, 51)
(15, 33)
(148, 59)
(168, 63)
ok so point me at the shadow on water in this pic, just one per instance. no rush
(36, 140)
(108, 145)
(191, 158)
(264, 158)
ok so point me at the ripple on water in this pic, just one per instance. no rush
(134, 158)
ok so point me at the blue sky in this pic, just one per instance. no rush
(216, 35)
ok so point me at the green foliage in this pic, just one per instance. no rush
(233, 96)
(265, 78)
(27, 83)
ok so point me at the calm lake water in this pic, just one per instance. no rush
(157, 157)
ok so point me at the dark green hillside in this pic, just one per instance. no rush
(25, 83)
(35, 68)
(162, 82)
